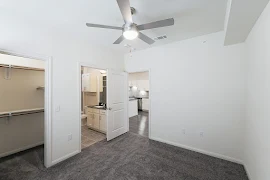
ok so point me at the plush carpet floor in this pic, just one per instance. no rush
(129, 157)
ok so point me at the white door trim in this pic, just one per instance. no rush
(150, 97)
(79, 88)
(47, 100)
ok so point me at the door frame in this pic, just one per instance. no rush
(47, 100)
(150, 98)
(79, 88)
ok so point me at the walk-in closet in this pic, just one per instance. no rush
(22, 86)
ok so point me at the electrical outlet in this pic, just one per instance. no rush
(201, 134)
(183, 131)
(70, 137)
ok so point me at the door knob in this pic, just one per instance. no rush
(109, 108)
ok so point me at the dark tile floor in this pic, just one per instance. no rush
(139, 124)
(129, 156)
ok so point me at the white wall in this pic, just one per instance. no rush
(257, 148)
(66, 51)
(20, 91)
(199, 87)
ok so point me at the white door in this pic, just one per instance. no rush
(117, 99)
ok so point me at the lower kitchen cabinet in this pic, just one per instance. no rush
(145, 104)
(132, 108)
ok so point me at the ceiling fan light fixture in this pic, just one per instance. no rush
(130, 31)
(130, 34)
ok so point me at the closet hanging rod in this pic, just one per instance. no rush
(21, 67)
(21, 112)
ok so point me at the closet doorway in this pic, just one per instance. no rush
(23, 105)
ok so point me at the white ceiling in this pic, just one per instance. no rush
(43, 17)
(243, 15)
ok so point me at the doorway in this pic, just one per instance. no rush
(103, 100)
(139, 103)
(93, 105)
(24, 112)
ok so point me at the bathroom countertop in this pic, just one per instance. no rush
(93, 107)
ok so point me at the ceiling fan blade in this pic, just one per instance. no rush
(145, 38)
(103, 26)
(157, 24)
(124, 7)
(119, 40)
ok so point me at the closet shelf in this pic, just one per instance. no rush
(21, 112)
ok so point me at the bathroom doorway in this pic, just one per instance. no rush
(93, 105)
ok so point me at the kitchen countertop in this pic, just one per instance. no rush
(136, 98)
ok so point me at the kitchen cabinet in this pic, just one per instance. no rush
(143, 85)
(145, 104)
(89, 83)
(97, 119)
(132, 108)
(132, 83)
(100, 80)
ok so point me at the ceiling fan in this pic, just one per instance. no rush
(130, 29)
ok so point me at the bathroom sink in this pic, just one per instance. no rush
(99, 107)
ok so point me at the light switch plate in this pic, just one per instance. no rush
(57, 109)
(69, 137)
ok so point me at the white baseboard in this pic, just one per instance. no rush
(20, 149)
(246, 169)
(220, 156)
(65, 157)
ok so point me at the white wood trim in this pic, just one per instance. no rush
(21, 149)
(150, 97)
(247, 171)
(47, 100)
(54, 162)
(216, 155)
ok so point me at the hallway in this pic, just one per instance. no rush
(140, 124)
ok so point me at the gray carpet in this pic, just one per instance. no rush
(129, 157)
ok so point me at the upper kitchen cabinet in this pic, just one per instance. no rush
(143, 85)
(132, 83)
(101, 82)
(89, 83)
